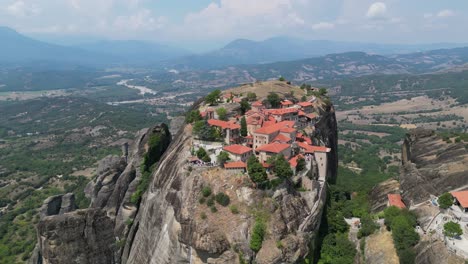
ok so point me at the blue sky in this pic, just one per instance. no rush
(187, 22)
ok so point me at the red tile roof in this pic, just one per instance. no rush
(228, 95)
(258, 103)
(311, 149)
(305, 104)
(311, 116)
(268, 129)
(286, 102)
(237, 100)
(273, 147)
(282, 138)
(293, 160)
(395, 200)
(301, 113)
(288, 130)
(223, 124)
(235, 165)
(237, 149)
(462, 198)
(282, 111)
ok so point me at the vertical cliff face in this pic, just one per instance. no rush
(430, 166)
(168, 226)
(97, 234)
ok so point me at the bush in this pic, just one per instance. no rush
(258, 234)
(223, 157)
(210, 201)
(203, 215)
(213, 209)
(407, 256)
(445, 200)
(234, 209)
(201, 200)
(222, 199)
(368, 227)
(206, 191)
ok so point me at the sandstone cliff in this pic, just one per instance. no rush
(431, 166)
(97, 234)
(171, 225)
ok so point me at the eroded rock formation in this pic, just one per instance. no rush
(431, 166)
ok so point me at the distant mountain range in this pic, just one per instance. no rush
(19, 49)
(277, 49)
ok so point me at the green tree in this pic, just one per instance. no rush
(243, 130)
(251, 96)
(256, 171)
(403, 233)
(222, 199)
(337, 249)
(213, 97)
(323, 91)
(368, 226)
(282, 168)
(201, 152)
(204, 131)
(244, 106)
(281, 79)
(303, 98)
(274, 100)
(223, 157)
(193, 116)
(301, 164)
(452, 229)
(222, 113)
(445, 200)
(258, 233)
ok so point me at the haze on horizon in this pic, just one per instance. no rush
(207, 24)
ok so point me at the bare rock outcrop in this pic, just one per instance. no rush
(378, 195)
(431, 166)
(83, 236)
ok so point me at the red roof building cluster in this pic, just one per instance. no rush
(269, 132)
(395, 200)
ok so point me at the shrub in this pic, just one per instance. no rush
(258, 234)
(210, 201)
(234, 209)
(368, 227)
(445, 200)
(201, 200)
(206, 191)
(203, 215)
(281, 79)
(222, 199)
(279, 244)
(213, 209)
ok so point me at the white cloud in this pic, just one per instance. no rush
(446, 13)
(140, 21)
(22, 9)
(323, 26)
(428, 15)
(244, 17)
(377, 10)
